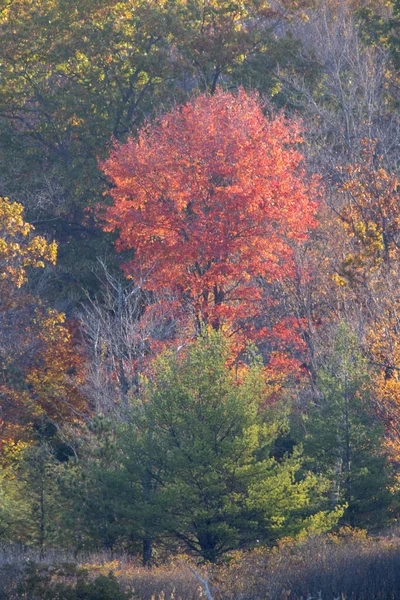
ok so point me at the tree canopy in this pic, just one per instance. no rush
(213, 197)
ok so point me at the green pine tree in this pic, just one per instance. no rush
(201, 443)
(344, 438)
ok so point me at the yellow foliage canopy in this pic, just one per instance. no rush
(18, 250)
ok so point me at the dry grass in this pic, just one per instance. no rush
(172, 581)
(348, 566)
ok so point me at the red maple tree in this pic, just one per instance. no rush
(212, 197)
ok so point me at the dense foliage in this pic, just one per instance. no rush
(199, 279)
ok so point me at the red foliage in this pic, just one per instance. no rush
(212, 197)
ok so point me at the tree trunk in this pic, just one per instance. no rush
(147, 492)
(147, 551)
(347, 465)
(42, 523)
(208, 546)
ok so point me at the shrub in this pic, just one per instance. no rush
(38, 581)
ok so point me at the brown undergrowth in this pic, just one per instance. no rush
(344, 566)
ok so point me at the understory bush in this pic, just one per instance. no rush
(23, 578)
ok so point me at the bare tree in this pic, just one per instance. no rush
(120, 327)
(356, 91)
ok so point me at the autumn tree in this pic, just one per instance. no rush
(213, 197)
(73, 74)
(38, 362)
(19, 250)
(370, 209)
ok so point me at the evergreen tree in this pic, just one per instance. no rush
(344, 438)
(201, 445)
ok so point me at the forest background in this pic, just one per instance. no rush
(199, 246)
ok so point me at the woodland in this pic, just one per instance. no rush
(199, 299)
